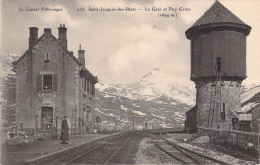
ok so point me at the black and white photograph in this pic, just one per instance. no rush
(129, 82)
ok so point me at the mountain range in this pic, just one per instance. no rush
(155, 97)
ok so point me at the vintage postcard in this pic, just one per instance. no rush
(130, 82)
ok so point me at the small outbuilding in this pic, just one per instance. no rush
(250, 110)
(191, 120)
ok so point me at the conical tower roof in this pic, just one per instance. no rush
(218, 15)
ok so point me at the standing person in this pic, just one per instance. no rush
(64, 131)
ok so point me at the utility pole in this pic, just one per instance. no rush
(36, 119)
(258, 141)
(56, 125)
(133, 122)
(221, 109)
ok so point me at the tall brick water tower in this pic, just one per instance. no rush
(218, 65)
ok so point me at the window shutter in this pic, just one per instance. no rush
(87, 86)
(38, 83)
(55, 82)
(93, 89)
(90, 88)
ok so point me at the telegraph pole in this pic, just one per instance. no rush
(133, 122)
(36, 123)
(258, 141)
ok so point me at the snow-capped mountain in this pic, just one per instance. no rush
(7, 92)
(156, 96)
(6, 63)
(122, 110)
(156, 86)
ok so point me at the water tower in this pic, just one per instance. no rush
(218, 65)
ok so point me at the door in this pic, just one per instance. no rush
(47, 118)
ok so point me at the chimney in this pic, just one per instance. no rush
(33, 36)
(81, 56)
(63, 35)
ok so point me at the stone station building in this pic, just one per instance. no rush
(52, 83)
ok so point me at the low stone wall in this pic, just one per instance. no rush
(243, 140)
(17, 138)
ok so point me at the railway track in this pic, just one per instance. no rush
(81, 151)
(172, 153)
(104, 153)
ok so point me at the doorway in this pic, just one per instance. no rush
(46, 118)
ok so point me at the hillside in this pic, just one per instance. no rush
(7, 92)
(156, 97)
(156, 86)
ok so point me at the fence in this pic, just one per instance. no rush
(243, 140)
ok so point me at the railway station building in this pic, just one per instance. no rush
(52, 83)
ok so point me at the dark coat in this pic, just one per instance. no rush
(64, 131)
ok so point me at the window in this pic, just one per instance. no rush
(47, 82)
(223, 113)
(92, 89)
(218, 64)
(47, 58)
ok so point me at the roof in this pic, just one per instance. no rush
(250, 99)
(55, 39)
(247, 95)
(194, 108)
(87, 73)
(217, 13)
(68, 52)
(219, 16)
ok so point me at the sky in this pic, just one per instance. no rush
(121, 47)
